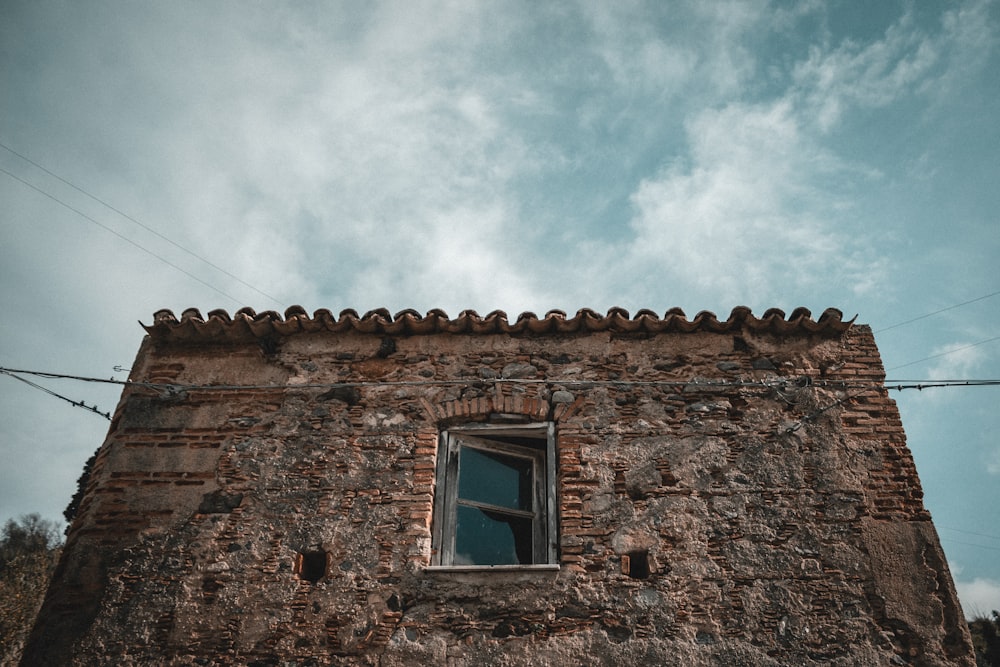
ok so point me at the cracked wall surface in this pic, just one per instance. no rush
(759, 484)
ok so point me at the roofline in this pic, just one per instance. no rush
(246, 324)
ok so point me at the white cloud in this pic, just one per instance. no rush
(978, 596)
(748, 214)
(331, 180)
(314, 145)
(969, 31)
(907, 60)
(698, 50)
(760, 196)
(636, 55)
(955, 361)
(993, 462)
(871, 75)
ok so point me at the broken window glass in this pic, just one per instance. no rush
(494, 496)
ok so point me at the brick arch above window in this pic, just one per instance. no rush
(500, 400)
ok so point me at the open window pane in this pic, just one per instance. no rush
(494, 501)
(491, 538)
(496, 479)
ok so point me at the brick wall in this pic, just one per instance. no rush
(763, 479)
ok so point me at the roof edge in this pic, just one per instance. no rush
(248, 324)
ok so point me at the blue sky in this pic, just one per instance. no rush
(506, 155)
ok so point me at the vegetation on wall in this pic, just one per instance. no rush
(81, 486)
(29, 550)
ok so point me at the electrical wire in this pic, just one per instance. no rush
(969, 544)
(63, 376)
(121, 236)
(171, 389)
(931, 384)
(132, 219)
(969, 532)
(936, 312)
(770, 383)
(944, 354)
(77, 404)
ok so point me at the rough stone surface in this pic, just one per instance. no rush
(283, 516)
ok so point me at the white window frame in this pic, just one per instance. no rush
(446, 501)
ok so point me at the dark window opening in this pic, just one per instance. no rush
(311, 566)
(636, 564)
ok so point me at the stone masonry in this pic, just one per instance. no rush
(732, 492)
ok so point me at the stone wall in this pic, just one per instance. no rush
(727, 495)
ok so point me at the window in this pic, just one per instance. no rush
(495, 500)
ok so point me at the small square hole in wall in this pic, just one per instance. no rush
(310, 565)
(636, 564)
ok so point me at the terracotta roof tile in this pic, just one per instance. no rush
(248, 324)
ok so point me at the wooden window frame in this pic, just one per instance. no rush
(446, 500)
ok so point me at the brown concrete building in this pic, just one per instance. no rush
(421, 490)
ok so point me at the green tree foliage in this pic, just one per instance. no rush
(81, 486)
(29, 550)
(986, 638)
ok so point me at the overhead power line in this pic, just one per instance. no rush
(137, 222)
(969, 532)
(770, 383)
(121, 236)
(936, 312)
(946, 353)
(77, 404)
(970, 544)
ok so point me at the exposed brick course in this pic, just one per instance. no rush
(757, 470)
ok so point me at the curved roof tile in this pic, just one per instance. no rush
(248, 324)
